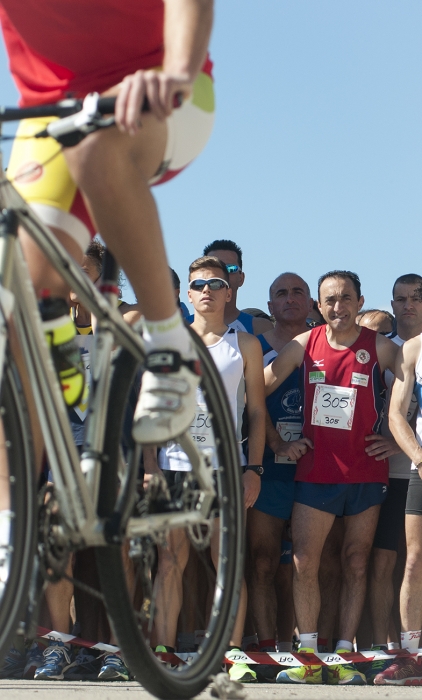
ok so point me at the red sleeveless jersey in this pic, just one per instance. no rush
(62, 47)
(343, 401)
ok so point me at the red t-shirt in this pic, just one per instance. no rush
(337, 420)
(62, 47)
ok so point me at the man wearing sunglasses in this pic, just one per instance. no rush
(238, 357)
(230, 253)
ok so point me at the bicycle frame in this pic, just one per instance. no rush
(76, 480)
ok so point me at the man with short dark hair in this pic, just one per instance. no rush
(407, 308)
(342, 366)
(231, 254)
(408, 384)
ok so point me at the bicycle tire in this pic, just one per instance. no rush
(156, 677)
(20, 475)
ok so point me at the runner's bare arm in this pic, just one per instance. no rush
(251, 351)
(286, 361)
(293, 450)
(387, 353)
(400, 399)
(187, 30)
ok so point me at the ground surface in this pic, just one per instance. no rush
(60, 690)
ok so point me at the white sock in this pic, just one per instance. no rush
(393, 645)
(344, 644)
(169, 334)
(410, 640)
(5, 518)
(309, 640)
(284, 646)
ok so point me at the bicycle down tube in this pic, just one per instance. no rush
(77, 493)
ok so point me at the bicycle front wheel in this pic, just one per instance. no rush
(18, 528)
(129, 573)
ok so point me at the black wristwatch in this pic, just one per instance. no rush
(257, 468)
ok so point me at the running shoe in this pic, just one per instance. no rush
(267, 672)
(57, 658)
(311, 675)
(373, 668)
(86, 667)
(240, 671)
(34, 659)
(113, 669)
(344, 674)
(405, 671)
(167, 401)
(13, 664)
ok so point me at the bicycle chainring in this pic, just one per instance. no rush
(53, 545)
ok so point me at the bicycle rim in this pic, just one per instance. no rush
(131, 600)
(17, 506)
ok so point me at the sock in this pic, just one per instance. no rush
(199, 637)
(410, 640)
(284, 646)
(186, 641)
(344, 644)
(266, 643)
(249, 642)
(393, 645)
(169, 334)
(5, 518)
(309, 640)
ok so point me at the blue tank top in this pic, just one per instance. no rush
(285, 408)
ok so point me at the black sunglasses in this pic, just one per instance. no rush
(215, 283)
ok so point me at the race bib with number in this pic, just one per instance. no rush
(201, 428)
(288, 432)
(334, 406)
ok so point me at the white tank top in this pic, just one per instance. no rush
(418, 393)
(229, 362)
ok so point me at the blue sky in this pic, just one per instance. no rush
(315, 160)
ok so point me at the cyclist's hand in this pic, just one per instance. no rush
(159, 87)
(251, 487)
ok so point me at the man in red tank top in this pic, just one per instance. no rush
(346, 471)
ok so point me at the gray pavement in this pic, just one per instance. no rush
(61, 690)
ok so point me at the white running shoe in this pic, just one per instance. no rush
(167, 401)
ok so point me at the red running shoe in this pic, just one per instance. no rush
(407, 671)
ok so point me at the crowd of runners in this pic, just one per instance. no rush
(332, 493)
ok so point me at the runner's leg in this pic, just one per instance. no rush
(359, 533)
(310, 528)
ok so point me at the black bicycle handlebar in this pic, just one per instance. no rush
(61, 109)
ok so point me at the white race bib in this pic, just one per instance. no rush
(334, 406)
(288, 432)
(201, 427)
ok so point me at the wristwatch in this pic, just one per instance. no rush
(257, 468)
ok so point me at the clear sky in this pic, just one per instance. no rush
(315, 160)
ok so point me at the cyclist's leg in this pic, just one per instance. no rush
(114, 171)
(43, 275)
(39, 172)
